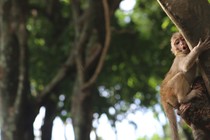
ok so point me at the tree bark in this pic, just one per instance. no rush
(82, 113)
(16, 118)
(50, 115)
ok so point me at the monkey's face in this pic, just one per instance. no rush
(179, 45)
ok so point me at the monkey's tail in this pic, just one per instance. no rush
(169, 110)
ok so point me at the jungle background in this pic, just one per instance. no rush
(80, 60)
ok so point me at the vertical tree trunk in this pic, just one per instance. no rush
(16, 116)
(9, 56)
(48, 119)
(81, 109)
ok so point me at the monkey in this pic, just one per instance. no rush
(175, 88)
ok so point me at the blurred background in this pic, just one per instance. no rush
(83, 70)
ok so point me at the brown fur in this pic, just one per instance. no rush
(175, 88)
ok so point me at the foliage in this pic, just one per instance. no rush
(138, 58)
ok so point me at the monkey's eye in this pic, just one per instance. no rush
(176, 42)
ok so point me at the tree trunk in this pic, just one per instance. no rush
(50, 114)
(81, 111)
(16, 120)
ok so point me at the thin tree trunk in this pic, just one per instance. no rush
(81, 111)
(48, 119)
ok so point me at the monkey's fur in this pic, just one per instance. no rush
(175, 88)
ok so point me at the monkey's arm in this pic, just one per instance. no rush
(190, 59)
(181, 88)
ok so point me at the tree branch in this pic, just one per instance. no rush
(23, 81)
(106, 46)
(22, 67)
(76, 14)
(57, 79)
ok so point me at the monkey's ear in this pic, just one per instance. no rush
(173, 50)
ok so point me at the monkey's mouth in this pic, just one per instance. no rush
(186, 51)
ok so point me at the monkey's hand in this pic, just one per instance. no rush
(183, 107)
(191, 95)
(195, 93)
(198, 93)
(203, 45)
